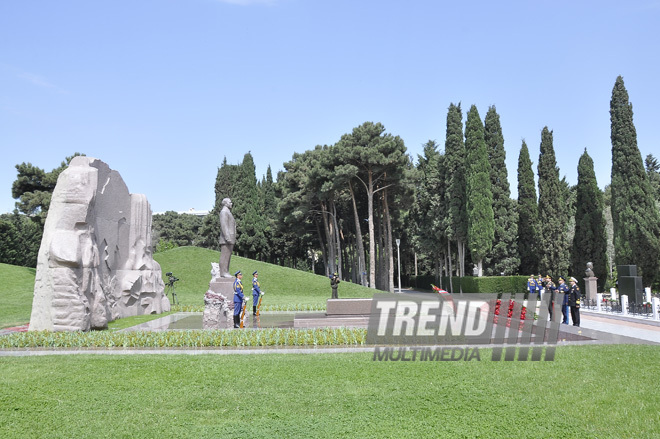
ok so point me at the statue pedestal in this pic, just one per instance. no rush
(223, 285)
(219, 304)
(348, 306)
(591, 287)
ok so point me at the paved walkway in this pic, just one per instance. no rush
(597, 328)
(633, 327)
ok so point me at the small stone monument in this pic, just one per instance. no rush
(590, 282)
(630, 284)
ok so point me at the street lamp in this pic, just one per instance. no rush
(398, 259)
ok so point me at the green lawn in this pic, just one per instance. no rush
(588, 391)
(16, 291)
(192, 265)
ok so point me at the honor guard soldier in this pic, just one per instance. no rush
(256, 292)
(532, 286)
(550, 287)
(563, 288)
(238, 298)
(574, 295)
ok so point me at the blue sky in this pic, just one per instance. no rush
(163, 90)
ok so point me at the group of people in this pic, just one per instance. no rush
(240, 299)
(571, 298)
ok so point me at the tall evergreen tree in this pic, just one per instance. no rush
(455, 156)
(375, 157)
(504, 257)
(20, 239)
(250, 223)
(428, 210)
(552, 211)
(269, 214)
(529, 240)
(634, 214)
(590, 240)
(653, 172)
(226, 186)
(479, 197)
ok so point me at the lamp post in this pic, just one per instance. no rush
(398, 259)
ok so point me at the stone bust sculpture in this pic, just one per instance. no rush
(227, 237)
(589, 272)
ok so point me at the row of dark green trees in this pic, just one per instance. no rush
(343, 207)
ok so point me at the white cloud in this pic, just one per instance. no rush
(40, 81)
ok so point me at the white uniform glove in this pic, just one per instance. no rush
(263, 292)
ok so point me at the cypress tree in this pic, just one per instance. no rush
(590, 240)
(250, 225)
(552, 211)
(634, 214)
(529, 240)
(504, 256)
(479, 206)
(653, 172)
(456, 220)
(226, 186)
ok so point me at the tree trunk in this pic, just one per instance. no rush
(388, 239)
(323, 251)
(329, 235)
(358, 239)
(451, 284)
(372, 232)
(339, 254)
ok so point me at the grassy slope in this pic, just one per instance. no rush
(16, 290)
(192, 265)
(341, 395)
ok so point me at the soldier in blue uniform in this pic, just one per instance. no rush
(574, 295)
(238, 298)
(563, 288)
(256, 292)
(532, 286)
(550, 287)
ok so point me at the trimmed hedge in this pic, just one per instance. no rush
(470, 284)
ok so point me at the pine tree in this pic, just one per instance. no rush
(456, 220)
(590, 240)
(479, 197)
(552, 211)
(504, 257)
(529, 239)
(634, 214)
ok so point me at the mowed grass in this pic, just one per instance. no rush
(16, 291)
(588, 391)
(192, 265)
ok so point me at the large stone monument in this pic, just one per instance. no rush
(95, 262)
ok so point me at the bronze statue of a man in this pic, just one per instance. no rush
(227, 237)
